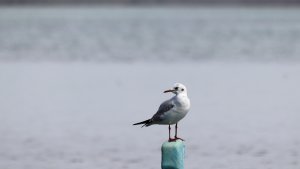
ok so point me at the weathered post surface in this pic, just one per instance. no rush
(172, 155)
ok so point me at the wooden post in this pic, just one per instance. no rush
(172, 155)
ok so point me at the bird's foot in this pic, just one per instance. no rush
(174, 139)
(177, 138)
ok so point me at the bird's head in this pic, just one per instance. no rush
(177, 89)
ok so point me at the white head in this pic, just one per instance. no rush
(178, 89)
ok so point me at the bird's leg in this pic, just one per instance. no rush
(170, 139)
(176, 138)
(169, 133)
(176, 130)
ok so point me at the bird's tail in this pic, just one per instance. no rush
(145, 123)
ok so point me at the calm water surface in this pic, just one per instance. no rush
(149, 34)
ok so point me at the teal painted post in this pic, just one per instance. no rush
(172, 155)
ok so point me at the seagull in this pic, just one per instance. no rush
(171, 111)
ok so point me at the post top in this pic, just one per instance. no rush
(172, 155)
(173, 143)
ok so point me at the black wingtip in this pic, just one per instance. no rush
(138, 123)
(145, 123)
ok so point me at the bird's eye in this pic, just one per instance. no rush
(176, 88)
(182, 89)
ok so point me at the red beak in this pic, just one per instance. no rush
(170, 90)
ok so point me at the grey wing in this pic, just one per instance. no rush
(163, 108)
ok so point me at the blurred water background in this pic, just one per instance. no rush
(127, 34)
(75, 78)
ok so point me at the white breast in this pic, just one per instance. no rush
(181, 108)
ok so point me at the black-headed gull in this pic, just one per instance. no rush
(171, 111)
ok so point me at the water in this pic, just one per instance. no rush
(149, 34)
(74, 80)
(80, 115)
